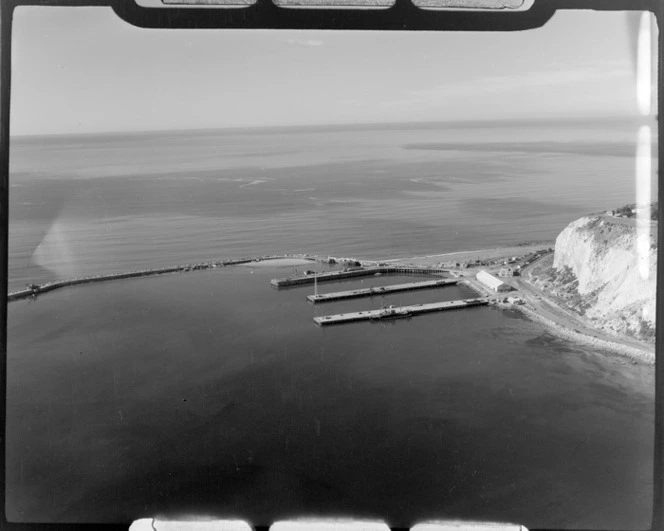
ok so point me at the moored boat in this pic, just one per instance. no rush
(392, 313)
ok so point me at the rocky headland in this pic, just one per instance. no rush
(604, 268)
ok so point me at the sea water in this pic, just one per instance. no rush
(82, 205)
(212, 393)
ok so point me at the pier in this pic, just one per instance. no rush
(400, 312)
(353, 273)
(324, 277)
(380, 290)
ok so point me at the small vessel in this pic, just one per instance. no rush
(392, 313)
(403, 314)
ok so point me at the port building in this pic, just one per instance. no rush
(491, 282)
(506, 272)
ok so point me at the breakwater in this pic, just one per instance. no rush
(400, 312)
(34, 289)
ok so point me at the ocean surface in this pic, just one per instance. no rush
(212, 393)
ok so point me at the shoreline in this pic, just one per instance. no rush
(636, 354)
(640, 353)
(485, 253)
(637, 351)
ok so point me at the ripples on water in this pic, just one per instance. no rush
(105, 204)
(186, 392)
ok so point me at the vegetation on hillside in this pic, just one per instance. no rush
(629, 211)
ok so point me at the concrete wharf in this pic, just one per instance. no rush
(352, 273)
(380, 290)
(402, 311)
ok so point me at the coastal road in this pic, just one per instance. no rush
(540, 303)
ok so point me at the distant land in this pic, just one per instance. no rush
(547, 121)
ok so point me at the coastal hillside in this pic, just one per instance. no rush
(596, 272)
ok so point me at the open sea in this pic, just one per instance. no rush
(212, 393)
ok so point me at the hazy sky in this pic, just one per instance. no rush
(83, 70)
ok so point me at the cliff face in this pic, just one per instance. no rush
(596, 268)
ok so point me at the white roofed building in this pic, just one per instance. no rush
(491, 282)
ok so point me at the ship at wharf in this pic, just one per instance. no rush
(396, 312)
(353, 273)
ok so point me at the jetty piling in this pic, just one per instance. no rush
(416, 309)
(352, 273)
(380, 290)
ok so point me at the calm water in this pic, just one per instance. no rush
(82, 205)
(210, 392)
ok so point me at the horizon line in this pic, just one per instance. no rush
(348, 125)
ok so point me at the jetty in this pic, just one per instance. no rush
(399, 312)
(380, 290)
(324, 277)
(353, 273)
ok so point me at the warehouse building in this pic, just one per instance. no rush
(491, 282)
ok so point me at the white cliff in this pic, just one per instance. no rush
(607, 276)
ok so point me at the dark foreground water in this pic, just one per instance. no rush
(213, 393)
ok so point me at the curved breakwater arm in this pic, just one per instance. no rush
(35, 290)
